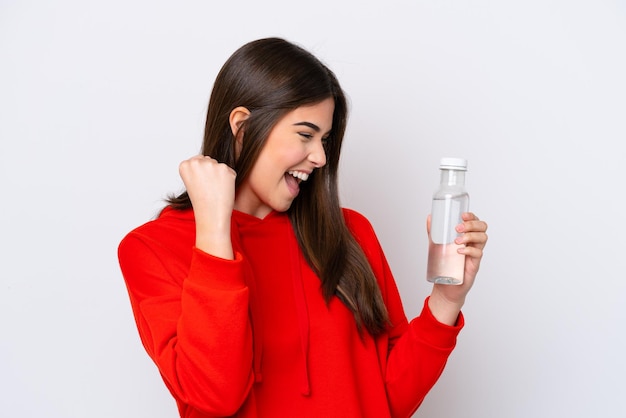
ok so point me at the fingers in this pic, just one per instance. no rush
(470, 220)
(203, 165)
(187, 166)
(473, 232)
(198, 161)
(209, 183)
(472, 252)
(471, 223)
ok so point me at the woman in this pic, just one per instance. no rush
(254, 292)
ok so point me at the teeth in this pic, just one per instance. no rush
(299, 175)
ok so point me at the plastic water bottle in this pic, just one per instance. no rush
(450, 200)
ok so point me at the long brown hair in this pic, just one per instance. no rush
(271, 77)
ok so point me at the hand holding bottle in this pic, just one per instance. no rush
(211, 189)
(456, 240)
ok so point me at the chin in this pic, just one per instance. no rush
(284, 207)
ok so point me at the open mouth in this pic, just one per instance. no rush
(299, 175)
(293, 179)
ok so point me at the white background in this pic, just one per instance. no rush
(100, 101)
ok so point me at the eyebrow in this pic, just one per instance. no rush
(310, 125)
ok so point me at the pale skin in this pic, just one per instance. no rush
(211, 188)
(296, 145)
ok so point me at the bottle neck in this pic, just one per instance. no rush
(452, 177)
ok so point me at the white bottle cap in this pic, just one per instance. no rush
(453, 164)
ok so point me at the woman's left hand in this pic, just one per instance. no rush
(446, 300)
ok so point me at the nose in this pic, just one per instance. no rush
(317, 154)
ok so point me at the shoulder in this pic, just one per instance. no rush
(362, 230)
(170, 229)
(356, 221)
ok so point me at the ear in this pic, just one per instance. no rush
(237, 116)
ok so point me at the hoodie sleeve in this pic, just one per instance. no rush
(416, 360)
(417, 351)
(193, 322)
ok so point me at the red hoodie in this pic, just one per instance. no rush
(253, 337)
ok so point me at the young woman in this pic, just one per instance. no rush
(254, 292)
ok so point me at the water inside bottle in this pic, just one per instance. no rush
(446, 215)
(445, 264)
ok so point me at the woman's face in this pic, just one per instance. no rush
(294, 148)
